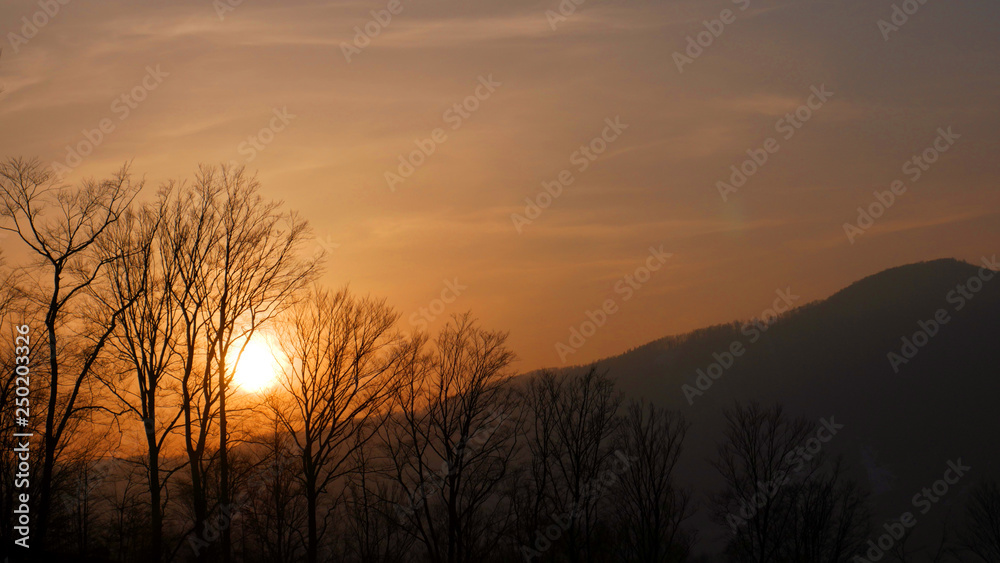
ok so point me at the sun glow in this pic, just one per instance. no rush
(256, 369)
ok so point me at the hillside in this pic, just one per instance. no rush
(831, 358)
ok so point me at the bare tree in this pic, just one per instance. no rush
(830, 517)
(780, 504)
(372, 531)
(452, 441)
(80, 499)
(239, 268)
(981, 536)
(60, 226)
(336, 374)
(531, 490)
(754, 460)
(16, 310)
(651, 507)
(274, 512)
(190, 230)
(126, 517)
(571, 443)
(139, 275)
(255, 271)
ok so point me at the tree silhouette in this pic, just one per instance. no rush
(650, 506)
(573, 420)
(138, 280)
(336, 377)
(61, 226)
(780, 502)
(981, 537)
(452, 440)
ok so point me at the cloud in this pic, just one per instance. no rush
(657, 184)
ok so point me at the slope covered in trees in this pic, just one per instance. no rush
(812, 444)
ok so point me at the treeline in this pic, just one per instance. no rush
(373, 445)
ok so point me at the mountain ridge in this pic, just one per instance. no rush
(950, 263)
(832, 358)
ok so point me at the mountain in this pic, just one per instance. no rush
(905, 418)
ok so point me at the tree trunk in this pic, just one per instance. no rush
(312, 549)
(198, 499)
(48, 459)
(224, 464)
(156, 518)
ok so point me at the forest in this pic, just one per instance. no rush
(129, 435)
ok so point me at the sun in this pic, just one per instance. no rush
(256, 369)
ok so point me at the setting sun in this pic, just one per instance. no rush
(256, 369)
(295, 281)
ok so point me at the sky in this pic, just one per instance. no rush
(613, 105)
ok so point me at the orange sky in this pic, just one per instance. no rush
(543, 93)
